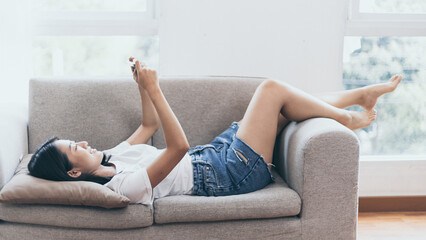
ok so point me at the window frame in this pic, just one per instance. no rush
(383, 24)
(96, 23)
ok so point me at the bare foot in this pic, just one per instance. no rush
(372, 92)
(360, 119)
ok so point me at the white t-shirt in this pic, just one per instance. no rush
(131, 179)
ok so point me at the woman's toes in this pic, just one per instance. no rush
(372, 114)
(395, 80)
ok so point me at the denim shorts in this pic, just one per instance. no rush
(219, 169)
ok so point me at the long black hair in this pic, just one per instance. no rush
(48, 162)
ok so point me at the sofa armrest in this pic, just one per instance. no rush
(319, 159)
(13, 138)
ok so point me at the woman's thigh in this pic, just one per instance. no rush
(258, 127)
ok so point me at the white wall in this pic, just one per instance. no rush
(15, 51)
(299, 42)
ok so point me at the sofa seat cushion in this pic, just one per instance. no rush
(275, 200)
(132, 216)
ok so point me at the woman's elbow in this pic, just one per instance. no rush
(183, 147)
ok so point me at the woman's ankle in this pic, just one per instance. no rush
(345, 117)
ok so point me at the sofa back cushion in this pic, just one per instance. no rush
(206, 106)
(105, 112)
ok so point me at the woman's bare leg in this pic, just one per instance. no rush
(258, 127)
(282, 122)
(366, 97)
(342, 99)
(274, 104)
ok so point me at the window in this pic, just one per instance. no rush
(91, 55)
(384, 38)
(93, 38)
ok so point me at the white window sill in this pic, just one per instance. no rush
(400, 175)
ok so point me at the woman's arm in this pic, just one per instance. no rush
(149, 114)
(176, 143)
(150, 120)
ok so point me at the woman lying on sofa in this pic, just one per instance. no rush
(237, 161)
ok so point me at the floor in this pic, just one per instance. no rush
(392, 225)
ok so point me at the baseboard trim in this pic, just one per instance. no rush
(392, 203)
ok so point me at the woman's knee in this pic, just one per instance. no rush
(274, 85)
(268, 84)
(274, 89)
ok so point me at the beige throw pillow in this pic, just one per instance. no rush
(24, 188)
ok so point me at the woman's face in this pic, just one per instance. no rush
(83, 158)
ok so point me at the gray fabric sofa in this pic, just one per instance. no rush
(315, 195)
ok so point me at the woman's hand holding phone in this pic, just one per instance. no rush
(144, 77)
